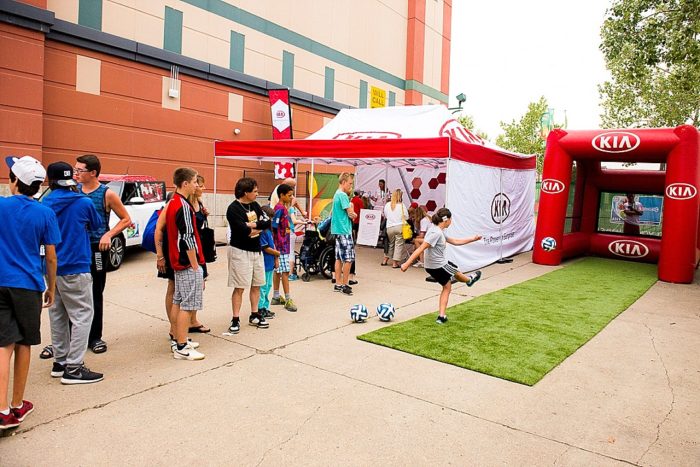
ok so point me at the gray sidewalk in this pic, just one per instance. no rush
(307, 392)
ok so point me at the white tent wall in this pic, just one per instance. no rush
(367, 180)
(475, 197)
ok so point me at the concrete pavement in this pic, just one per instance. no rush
(306, 391)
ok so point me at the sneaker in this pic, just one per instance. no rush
(352, 282)
(417, 264)
(441, 319)
(347, 290)
(473, 277)
(187, 353)
(235, 326)
(8, 421)
(290, 306)
(337, 288)
(190, 342)
(256, 319)
(333, 281)
(267, 314)
(277, 301)
(293, 277)
(22, 411)
(57, 370)
(80, 375)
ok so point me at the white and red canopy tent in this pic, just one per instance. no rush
(490, 191)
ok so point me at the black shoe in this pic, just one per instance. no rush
(441, 319)
(473, 277)
(267, 314)
(80, 375)
(332, 281)
(235, 326)
(346, 289)
(256, 319)
(337, 288)
(57, 370)
(352, 282)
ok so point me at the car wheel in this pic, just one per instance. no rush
(117, 248)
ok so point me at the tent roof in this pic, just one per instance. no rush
(415, 136)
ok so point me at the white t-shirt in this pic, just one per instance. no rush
(425, 224)
(393, 217)
(435, 255)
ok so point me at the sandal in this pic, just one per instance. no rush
(385, 264)
(99, 346)
(201, 328)
(46, 352)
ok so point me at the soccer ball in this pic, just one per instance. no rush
(549, 244)
(386, 311)
(358, 313)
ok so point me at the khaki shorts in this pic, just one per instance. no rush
(245, 268)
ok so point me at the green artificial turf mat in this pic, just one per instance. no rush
(521, 332)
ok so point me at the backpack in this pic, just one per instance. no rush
(148, 241)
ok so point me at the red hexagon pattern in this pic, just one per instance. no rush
(419, 189)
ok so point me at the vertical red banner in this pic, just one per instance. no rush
(281, 114)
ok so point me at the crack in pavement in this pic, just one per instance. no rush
(294, 435)
(560, 456)
(463, 412)
(673, 396)
(157, 386)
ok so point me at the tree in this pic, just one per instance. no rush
(467, 121)
(523, 136)
(652, 49)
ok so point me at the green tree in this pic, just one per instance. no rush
(467, 121)
(652, 49)
(523, 135)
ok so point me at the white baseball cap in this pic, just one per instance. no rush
(27, 169)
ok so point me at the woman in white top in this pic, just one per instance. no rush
(396, 214)
(422, 221)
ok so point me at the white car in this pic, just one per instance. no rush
(141, 195)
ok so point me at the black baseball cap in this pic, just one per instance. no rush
(60, 173)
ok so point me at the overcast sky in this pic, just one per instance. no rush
(508, 53)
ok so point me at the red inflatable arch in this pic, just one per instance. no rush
(677, 251)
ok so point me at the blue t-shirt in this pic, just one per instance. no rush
(340, 221)
(28, 226)
(266, 241)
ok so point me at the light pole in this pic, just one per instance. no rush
(461, 98)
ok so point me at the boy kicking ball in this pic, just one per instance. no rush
(443, 271)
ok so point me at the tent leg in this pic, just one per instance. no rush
(310, 183)
(215, 211)
(501, 260)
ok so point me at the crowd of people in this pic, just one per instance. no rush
(71, 227)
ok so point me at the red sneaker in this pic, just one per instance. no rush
(8, 421)
(22, 411)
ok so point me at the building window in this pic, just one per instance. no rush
(172, 34)
(90, 14)
(363, 94)
(392, 99)
(329, 92)
(288, 69)
(237, 51)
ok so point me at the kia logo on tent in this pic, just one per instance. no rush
(681, 191)
(552, 186)
(368, 135)
(616, 141)
(628, 248)
(500, 208)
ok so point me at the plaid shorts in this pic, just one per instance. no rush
(284, 264)
(189, 288)
(344, 248)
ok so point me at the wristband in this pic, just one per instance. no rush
(160, 257)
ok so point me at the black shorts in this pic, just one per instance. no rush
(444, 274)
(20, 316)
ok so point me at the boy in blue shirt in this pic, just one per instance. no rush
(29, 225)
(271, 258)
(72, 314)
(281, 230)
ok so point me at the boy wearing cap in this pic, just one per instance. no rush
(72, 312)
(22, 281)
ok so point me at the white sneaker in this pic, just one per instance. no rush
(190, 342)
(188, 353)
(417, 264)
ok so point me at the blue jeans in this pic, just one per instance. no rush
(264, 301)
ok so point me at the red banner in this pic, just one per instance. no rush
(281, 115)
(284, 170)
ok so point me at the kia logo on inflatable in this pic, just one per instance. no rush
(681, 191)
(628, 248)
(500, 208)
(616, 141)
(552, 186)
